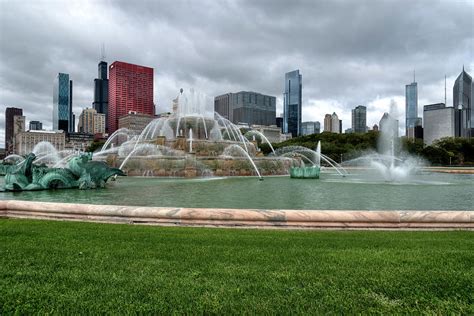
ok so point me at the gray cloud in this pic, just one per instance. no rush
(349, 52)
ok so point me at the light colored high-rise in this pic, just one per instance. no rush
(439, 122)
(91, 122)
(327, 122)
(335, 124)
(18, 127)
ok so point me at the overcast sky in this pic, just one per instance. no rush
(349, 52)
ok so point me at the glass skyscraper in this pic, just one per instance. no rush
(62, 103)
(411, 108)
(292, 101)
(462, 103)
(359, 119)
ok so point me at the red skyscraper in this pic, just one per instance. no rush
(130, 89)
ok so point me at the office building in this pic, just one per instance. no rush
(389, 125)
(35, 126)
(247, 107)
(10, 113)
(336, 124)
(327, 122)
(462, 103)
(91, 122)
(26, 141)
(411, 109)
(311, 127)
(62, 103)
(439, 122)
(130, 89)
(101, 91)
(292, 103)
(18, 127)
(135, 121)
(359, 119)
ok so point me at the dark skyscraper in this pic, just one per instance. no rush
(101, 92)
(359, 119)
(9, 114)
(35, 126)
(462, 103)
(292, 100)
(62, 103)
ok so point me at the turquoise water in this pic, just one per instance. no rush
(428, 191)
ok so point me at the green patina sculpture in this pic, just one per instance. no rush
(81, 172)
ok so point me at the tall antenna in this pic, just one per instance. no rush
(102, 52)
(414, 75)
(445, 90)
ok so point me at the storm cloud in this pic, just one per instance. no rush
(349, 52)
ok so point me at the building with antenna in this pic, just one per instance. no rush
(412, 121)
(101, 89)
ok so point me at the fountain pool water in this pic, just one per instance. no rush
(431, 191)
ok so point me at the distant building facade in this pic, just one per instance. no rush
(135, 121)
(62, 103)
(292, 103)
(359, 119)
(19, 122)
(375, 128)
(101, 91)
(91, 122)
(10, 113)
(26, 141)
(310, 127)
(462, 103)
(35, 126)
(439, 122)
(247, 107)
(78, 141)
(130, 89)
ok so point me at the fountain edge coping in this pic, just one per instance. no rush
(221, 217)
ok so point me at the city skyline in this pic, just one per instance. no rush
(364, 54)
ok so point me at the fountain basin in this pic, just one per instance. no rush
(315, 219)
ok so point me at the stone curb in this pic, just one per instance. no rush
(331, 219)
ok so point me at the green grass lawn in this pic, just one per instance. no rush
(67, 267)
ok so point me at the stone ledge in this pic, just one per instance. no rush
(251, 218)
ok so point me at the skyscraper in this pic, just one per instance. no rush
(327, 123)
(462, 103)
(130, 89)
(247, 107)
(411, 109)
(10, 113)
(292, 101)
(359, 119)
(439, 122)
(336, 124)
(101, 91)
(62, 103)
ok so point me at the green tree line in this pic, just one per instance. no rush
(455, 151)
